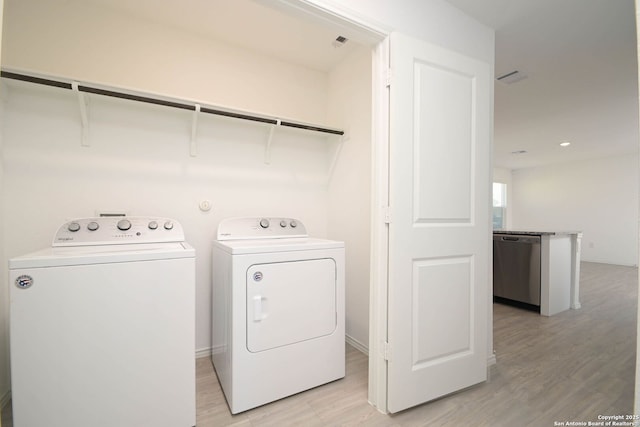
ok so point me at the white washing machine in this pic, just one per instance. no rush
(278, 310)
(102, 327)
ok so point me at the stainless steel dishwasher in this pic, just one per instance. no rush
(516, 270)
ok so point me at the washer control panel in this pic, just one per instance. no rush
(260, 228)
(118, 230)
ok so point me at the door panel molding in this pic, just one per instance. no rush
(431, 312)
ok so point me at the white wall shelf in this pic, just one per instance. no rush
(83, 88)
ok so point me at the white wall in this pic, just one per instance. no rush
(598, 197)
(81, 40)
(350, 189)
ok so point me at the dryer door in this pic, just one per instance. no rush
(289, 302)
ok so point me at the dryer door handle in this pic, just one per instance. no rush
(257, 308)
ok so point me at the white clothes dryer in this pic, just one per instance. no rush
(102, 327)
(278, 310)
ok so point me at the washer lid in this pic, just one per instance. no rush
(102, 254)
(276, 245)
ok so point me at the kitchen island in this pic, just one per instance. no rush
(559, 268)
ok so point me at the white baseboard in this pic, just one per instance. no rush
(208, 351)
(357, 344)
(203, 352)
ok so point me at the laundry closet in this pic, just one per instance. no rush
(68, 154)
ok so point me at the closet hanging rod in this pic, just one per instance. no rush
(156, 101)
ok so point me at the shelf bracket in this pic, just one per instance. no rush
(267, 151)
(336, 155)
(193, 145)
(83, 102)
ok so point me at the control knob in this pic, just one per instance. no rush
(168, 225)
(124, 225)
(264, 223)
(283, 223)
(73, 227)
(293, 223)
(153, 225)
(93, 226)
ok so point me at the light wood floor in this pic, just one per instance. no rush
(570, 367)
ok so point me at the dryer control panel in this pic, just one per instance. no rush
(118, 230)
(260, 228)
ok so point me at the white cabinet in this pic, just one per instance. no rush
(560, 272)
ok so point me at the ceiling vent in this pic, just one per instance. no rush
(339, 41)
(512, 77)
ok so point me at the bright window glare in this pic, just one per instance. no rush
(499, 194)
(499, 205)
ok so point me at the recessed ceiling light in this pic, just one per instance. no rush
(565, 144)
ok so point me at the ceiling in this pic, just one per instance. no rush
(580, 60)
(578, 56)
(247, 24)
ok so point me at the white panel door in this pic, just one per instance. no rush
(439, 235)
